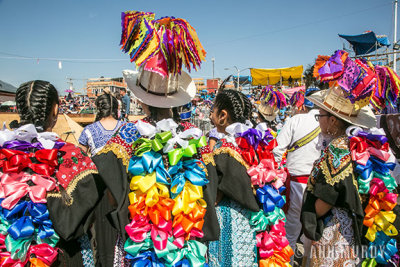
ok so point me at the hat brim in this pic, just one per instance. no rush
(184, 94)
(268, 117)
(365, 118)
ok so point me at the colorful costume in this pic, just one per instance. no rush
(242, 169)
(47, 191)
(156, 177)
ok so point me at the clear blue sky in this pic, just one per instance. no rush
(256, 33)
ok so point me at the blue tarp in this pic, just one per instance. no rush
(366, 43)
(243, 80)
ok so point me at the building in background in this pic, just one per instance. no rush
(7, 92)
(95, 87)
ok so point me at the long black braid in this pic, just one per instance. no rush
(234, 103)
(106, 105)
(35, 100)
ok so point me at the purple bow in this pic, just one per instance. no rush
(373, 137)
(26, 146)
(252, 136)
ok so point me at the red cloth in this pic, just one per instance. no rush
(298, 179)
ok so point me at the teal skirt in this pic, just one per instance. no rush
(237, 242)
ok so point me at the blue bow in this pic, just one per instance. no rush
(270, 198)
(188, 169)
(382, 249)
(149, 162)
(145, 259)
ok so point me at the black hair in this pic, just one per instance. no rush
(35, 100)
(106, 105)
(154, 111)
(235, 103)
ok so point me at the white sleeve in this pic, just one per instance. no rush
(284, 139)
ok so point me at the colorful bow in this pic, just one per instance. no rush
(266, 172)
(270, 198)
(248, 153)
(149, 162)
(191, 171)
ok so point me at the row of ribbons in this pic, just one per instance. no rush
(370, 152)
(26, 231)
(256, 145)
(166, 203)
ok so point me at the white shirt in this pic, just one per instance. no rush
(300, 161)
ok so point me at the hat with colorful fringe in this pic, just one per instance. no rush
(160, 48)
(352, 82)
(271, 100)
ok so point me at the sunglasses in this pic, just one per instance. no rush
(318, 116)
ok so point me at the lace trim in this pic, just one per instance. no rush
(72, 186)
(119, 151)
(332, 180)
(208, 158)
(233, 153)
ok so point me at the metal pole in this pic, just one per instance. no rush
(395, 35)
(238, 72)
(213, 60)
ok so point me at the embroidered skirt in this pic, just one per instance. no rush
(337, 246)
(237, 243)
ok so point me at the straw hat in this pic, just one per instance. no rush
(335, 102)
(267, 111)
(164, 92)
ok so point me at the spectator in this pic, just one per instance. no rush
(126, 104)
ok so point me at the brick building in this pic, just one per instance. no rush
(7, 92)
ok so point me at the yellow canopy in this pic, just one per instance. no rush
(272, 76)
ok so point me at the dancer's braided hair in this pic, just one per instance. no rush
(35, 100)
(106, 105)
(235, 103)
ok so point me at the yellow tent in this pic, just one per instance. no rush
(272, 76)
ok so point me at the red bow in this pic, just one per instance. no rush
(248, 153)
(18, 160)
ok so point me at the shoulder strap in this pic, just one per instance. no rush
(305, 140)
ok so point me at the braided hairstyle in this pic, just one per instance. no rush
(235, 103)
(106, 105)
(35, 100)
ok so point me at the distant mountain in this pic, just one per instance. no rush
(6, 87)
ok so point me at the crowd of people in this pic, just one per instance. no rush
(311, 180)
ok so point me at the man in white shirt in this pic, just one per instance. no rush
(300, 136)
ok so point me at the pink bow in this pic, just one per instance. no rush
(266, 172)
(14, 187)
(275, 240)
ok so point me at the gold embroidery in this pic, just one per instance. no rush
(119, 151)
(72, 185)
(208, 158)
(332, 180)
(233, 153)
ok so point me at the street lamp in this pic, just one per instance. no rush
(238, 73)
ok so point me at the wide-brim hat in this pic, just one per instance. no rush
(155, 90)
(267, 111)
(333, 101)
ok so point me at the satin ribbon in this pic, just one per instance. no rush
(252, 136)
(27, 146)
(194, 251)
(156, 212)
(381, 222)
(374, 168)
(19, 248)
(145, 129)
(188, 226)
(275, 240)
(189, 170)
(14, 187)
(260, 220)
(140, 226)
(248, 153)
(175, 155)
(188, 199)
(145, 259)
(17, 161)
(149, 162)
(270, 198)
(265, 151)
(361, 151)
(27, 133)
(38, 255)
(279, 259)
(265, 172)
(152, 195)
(182, 139)
(144, 145)
(382, 249)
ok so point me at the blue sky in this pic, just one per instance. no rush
(257, 33)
